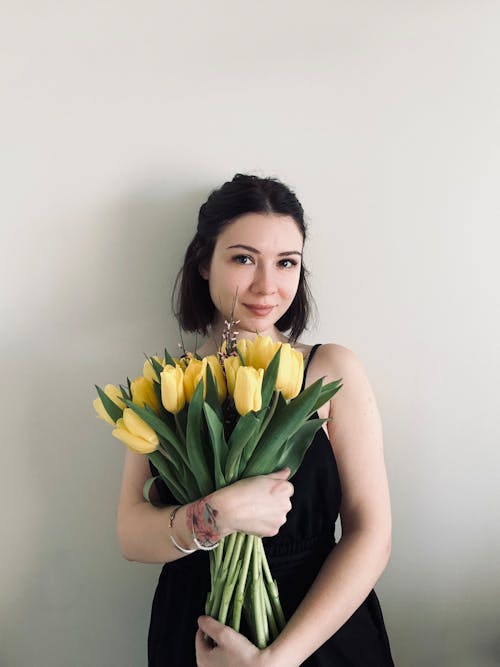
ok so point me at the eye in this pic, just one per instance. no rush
(242, 259)
(288, 263)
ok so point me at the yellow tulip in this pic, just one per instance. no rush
(148, 370)
(248, 389)
(243, 347)
(192, 376)
(143, 393)
(290, 372)
(172, 389)
(217, 373)
(115, 395)
(135, 433)
(262, 349)
(231, 365)
(101, 411)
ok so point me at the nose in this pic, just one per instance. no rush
(263, 282)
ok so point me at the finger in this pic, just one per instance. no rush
(212, 628)
(202, 648)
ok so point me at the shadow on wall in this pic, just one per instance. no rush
(112, 273)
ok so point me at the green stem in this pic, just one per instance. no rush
(220, 577)
(258, 610)
(272, 587)
(228, 593)
(269, 613)
(242, 580)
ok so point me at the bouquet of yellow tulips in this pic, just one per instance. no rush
(206, 423)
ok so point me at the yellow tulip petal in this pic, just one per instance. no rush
(218, 375)
(138, 427)
(261, 351)
(172, 389)
(101, 411)
(143, 393)
(231, 365)
(133, 442)
(192, 375)
(115, 395)
(248, 389)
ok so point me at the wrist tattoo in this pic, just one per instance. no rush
(201, 519)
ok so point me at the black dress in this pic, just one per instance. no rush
(295, 556)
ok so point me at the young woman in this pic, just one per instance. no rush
(249, 242)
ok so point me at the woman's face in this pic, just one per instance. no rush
(258, 257)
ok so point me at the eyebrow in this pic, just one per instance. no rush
(257, 252)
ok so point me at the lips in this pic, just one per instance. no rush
(260, 311)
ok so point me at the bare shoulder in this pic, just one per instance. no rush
(333, 361)
(353, 408)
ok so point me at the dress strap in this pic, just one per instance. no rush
(309, 359)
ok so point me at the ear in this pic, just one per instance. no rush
(203, 271)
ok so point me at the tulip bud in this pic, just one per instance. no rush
(231, 365)
(114, 394)
(290, 372)
(143, 393)
(248, 389)
(101, 411)
(135, 433)
(172, 389)
(218, 375)
(192, 376)
(148, 370)
(261, 351)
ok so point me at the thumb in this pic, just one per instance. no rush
(284, 473)
(217, 631)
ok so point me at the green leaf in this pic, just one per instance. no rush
(158, 368)
(269, 381)
(287, 418)
(327, 391)
(263, 416)
(219, 446)
(163, 466)
(246, 427)
(296, 446)
(125, 394)
(111, 408)
(146, 489)
(168, 359)
(194, 444)
(160, 427)
(212, 396)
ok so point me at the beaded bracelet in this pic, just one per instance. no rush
(172, 538)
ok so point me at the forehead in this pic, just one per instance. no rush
(263, 232)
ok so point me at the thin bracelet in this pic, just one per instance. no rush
(172, 538)
(202, 546)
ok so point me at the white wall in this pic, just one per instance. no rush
(117, 119)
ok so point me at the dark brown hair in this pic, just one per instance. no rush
(191, 299)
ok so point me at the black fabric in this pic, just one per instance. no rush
(295, 556)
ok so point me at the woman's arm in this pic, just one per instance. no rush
(353, 567)
(355, 564)
(257, 505)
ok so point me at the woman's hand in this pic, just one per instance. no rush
(232, 649)
(255, 505)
